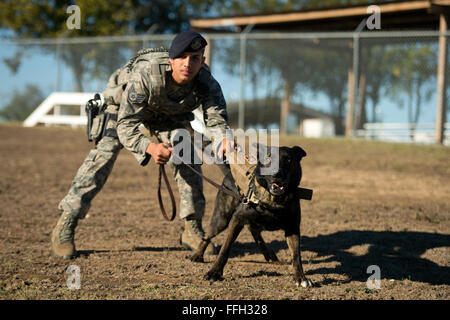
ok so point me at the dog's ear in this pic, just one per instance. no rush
(299, 152)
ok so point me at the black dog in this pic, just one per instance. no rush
(280, 209)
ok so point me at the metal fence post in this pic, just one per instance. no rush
(58, 60)
(148, 34)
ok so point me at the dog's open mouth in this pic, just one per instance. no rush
(276, 189)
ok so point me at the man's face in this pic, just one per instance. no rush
(186, 66)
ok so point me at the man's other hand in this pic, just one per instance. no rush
(227, 145)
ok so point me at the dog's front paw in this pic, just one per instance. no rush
(271, 257)
(196, 258)
(213, 275)
(306, 283)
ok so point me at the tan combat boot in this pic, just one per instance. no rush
(193, 234)
(63, 244)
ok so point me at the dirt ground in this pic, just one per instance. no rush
(374, 204)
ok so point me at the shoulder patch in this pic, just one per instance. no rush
(135, 97)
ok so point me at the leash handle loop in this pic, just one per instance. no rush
(162, 172)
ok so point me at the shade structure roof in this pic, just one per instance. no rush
(395, 15)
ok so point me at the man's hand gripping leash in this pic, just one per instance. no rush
(161, 153)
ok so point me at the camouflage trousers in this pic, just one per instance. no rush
(95, 169)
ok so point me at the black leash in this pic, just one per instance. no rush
(301, 192)
(227, 191)
(162, 172)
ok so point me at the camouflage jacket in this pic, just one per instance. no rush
(151, 98)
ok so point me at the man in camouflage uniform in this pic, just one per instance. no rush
(162, 88)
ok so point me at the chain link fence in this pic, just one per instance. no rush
(302, 83)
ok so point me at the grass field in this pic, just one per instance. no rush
(374, 204)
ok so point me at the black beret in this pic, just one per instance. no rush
(187, 41)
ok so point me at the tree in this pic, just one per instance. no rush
(22, 104)
(378, 71)
(315, 65)
(47, 19)
(413, 74)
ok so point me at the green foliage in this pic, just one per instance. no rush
(41, 18)
(22, 103)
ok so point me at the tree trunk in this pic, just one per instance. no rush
(78, 82)
(361, 112)
(410, 114)
(74, 59)
(340, 129)
(418, 101)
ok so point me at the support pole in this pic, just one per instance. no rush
(441, 80)
(355, 80)
(243, 55)
(350, 121)
(351, 105)
(285, 107)
(208, 50)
